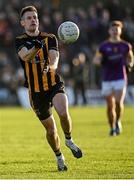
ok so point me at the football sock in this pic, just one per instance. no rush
(57, 153)
(60, 157)
(68, 135)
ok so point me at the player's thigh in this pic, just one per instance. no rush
(110, 100)
(120, 90)
(60, 102)
(106, 88)
(120, 95)
(41, 105)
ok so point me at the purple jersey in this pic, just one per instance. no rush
(114, 56)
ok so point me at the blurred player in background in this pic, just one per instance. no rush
(39, 56)
(116, 58)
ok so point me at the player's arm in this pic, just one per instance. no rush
(97, 60)
(53, 53)
(130, 57)
(28, 54)
(54, 59)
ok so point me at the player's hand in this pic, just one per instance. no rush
(37, 44)
(128, 69)
(46, 69)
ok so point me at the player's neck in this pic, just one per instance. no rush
(115, 39)
(35, 33)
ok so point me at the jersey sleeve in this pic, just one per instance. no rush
(99, 52)
(19, 44)
(101, 48)
(22, 42)
(53, 43)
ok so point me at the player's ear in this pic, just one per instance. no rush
(109, 30)
(22, 22)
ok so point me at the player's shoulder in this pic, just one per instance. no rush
(125, 42)
(21, 36)
(104, 44)
(49, 35)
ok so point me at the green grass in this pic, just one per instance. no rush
(24, 152)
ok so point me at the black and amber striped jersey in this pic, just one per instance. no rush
(35, 78)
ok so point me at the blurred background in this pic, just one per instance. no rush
(82, 78)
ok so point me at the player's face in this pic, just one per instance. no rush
(115, 31)
(30, 21)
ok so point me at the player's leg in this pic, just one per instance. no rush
(107, 92)
(119, 93)
(54, 141)
(60, 103)
(51, 134)
(83, 92)
(119, 97)
(41, 105)
(111, 113)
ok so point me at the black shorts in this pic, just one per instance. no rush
(41, 102)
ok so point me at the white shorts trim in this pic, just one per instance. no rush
(109, 87)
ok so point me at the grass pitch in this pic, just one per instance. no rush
(25, 154)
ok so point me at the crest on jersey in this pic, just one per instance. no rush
(115, 49)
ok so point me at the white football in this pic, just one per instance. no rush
(68, 32)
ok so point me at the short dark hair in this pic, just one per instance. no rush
(26, 9)
(116, 23)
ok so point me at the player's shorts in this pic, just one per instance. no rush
(41, 102)
(109, 87)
